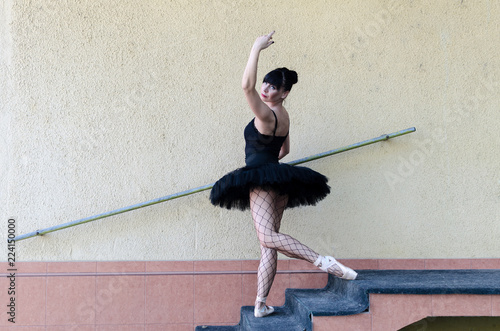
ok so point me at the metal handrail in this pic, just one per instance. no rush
(204, 188)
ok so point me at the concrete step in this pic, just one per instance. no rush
(282, 319)
(218, 328)
(341, 297)
(325, 303)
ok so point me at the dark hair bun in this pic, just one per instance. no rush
(290, 76)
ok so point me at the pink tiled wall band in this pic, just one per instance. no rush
(174, 295)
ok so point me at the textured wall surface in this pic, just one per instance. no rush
(110, 103)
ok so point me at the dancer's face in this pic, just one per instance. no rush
(269, 93)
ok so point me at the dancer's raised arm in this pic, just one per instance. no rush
(260, 109)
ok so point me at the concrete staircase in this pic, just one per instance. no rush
(341, 297)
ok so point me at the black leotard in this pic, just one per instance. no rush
(261, 148)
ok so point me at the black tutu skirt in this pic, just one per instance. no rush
(302, 185)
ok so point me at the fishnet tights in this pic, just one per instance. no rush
(267, 210)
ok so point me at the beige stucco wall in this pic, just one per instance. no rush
(110, 103)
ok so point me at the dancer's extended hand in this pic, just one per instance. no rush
(264, 42)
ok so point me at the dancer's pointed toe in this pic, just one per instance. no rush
(326, 262)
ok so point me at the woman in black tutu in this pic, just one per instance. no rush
(266, 186)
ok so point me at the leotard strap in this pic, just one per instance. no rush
(275, 123)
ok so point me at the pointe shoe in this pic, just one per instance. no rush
(264, 310)
(327, 262)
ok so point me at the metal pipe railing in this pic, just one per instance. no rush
(353, 146)
(203, 188)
